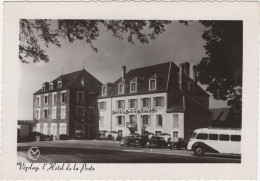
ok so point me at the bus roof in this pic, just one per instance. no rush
(218, 130)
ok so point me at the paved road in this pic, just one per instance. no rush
(96, 151)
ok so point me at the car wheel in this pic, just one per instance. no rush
(199, 151)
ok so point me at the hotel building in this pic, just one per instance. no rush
(67, 106)
(160, 98)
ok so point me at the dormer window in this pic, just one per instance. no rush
(59, 84)
(152, 84)
(121, 88)
(133, 87)
(104, 90)
(51, 86)
(43, 87)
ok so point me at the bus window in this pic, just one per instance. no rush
(193, 135)
(202, 136)
(213, 136)
(224, 137)
(235, 138)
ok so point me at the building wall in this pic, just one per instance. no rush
(196, 117)
(112, 111)
(49, 119)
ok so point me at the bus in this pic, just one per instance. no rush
(215, 140)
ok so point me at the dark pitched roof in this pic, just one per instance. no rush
(178, 105)
(220, 114)
(144, 74)
(68, 80)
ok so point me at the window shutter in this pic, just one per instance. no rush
(105, 105)
(116, 104)
(154, 102)
(157, 119)
(123, 120)
(123, 104)
(162, 101)
(142, 104)
(141, 121)
(149, 120)
(149, 103)
(129, 102)
(117, 121)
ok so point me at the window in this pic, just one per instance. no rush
(91, 99)
(152, 84)
(120, 104)
(102, 121)
(133, 119)
(146, 102)
(38, 113)
(224, 137)
(104, 91)
(120, 120)
(53, 129)
(102, 106)
(51, 86)
(202, 136)
(145, 120)
(213, 136)
(63, 128)
(59, 84)
(54, 98)
(43, 87)
(80, 97)
(175, 120)
(46, 100)
(120, 88)
(158, 101)
(193, 135)
(235, 138)
(132, 103)
(175, 134)
(63, 112)
(80, 112)
(38, 100)
(159, 120)
(120, 133)
(63, 97)
(45, 128)
(38, 128)
(133, 87)
(53, 115)
(45, 114)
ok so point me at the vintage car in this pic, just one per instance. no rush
(177, 143)
(140, 141)
(127, 140)
(157, 141)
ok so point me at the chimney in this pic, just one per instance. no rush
(123, 72)
(187, 68)
(195, 73)
(181, 74)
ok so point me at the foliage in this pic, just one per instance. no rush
(221, 69)
(33, 32)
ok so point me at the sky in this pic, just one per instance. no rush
(178, 44)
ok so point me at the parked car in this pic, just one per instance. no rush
(177, 143)
(157, 141)
(79, 134)
(140, 141)
(127, 140)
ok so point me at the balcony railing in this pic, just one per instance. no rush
(131, 125)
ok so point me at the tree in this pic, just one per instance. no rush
(33, 32)
(221, 69)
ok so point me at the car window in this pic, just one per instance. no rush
(193, 135)
(224, 137)
(235, 138)
(213, 136)
(202, 136)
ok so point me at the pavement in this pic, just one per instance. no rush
(103, 151)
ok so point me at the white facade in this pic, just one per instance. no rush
(115, 117)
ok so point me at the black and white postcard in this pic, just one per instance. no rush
(130, 90)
